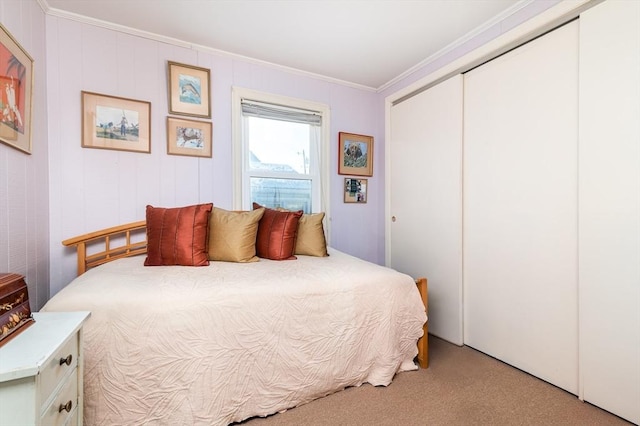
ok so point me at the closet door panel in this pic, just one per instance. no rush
(425, 187)
(520, 207)
(609, 181)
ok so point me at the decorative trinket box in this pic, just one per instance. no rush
(15, 312)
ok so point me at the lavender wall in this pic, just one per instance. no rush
(24, 191)
(92, 189)
(63, 190)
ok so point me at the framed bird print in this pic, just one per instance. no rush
(188, 137)
(189, 90)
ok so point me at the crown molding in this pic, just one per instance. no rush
(457, 43)
(181, 43)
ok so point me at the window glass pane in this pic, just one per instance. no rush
(279, 146)
(290, 194)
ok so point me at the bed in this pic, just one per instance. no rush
(213, 345)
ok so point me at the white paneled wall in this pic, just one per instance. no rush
(97, 188)
(24, 191)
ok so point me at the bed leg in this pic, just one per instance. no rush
(423, 342)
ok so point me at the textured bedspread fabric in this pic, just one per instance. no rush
(176, 345)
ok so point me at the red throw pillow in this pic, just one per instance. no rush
(277, 230)
(178, 236)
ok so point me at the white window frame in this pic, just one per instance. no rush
(241, 184)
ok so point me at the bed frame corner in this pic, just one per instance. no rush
(423, 342)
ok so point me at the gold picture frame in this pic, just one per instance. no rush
(355, 190)
(355, 154)
(189, 137)
(16, 93)
(189, 90)
(112, 122)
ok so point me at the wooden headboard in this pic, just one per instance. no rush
(111, 244)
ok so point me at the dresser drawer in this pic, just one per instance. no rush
(73, 418)
(33, 382)
(58, 367)
(64, 404)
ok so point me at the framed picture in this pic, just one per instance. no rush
(16, 92)
(189, 137)
(189, 92)
(111, 122)
(355, 190)
(355, 154)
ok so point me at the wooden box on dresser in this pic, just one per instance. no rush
(41, 372)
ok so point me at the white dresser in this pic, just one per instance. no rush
(41, 372)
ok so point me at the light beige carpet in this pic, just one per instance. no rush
(461, 387)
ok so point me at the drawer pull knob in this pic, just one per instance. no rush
(66, 360)
(65, 407)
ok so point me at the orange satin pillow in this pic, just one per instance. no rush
(277, 230)
(178, 236)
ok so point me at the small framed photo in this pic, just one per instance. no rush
(16, 93)
(355, 190)
(112, 122)
(189, 90)
(355, 154)
(189, 137)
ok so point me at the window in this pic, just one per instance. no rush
(280, 152)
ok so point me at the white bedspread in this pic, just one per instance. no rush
(171, 345)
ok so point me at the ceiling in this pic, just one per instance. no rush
(367, 43)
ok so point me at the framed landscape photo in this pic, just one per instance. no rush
(355, 190)
(111, 122)
(16, 93)
(189, 137)
(189, 90)
(355, 154)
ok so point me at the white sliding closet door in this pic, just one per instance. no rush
(520, 207)
(610, 207)
(425, 199)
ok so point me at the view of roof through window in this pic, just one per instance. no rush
(279, 145)
(279, 148)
